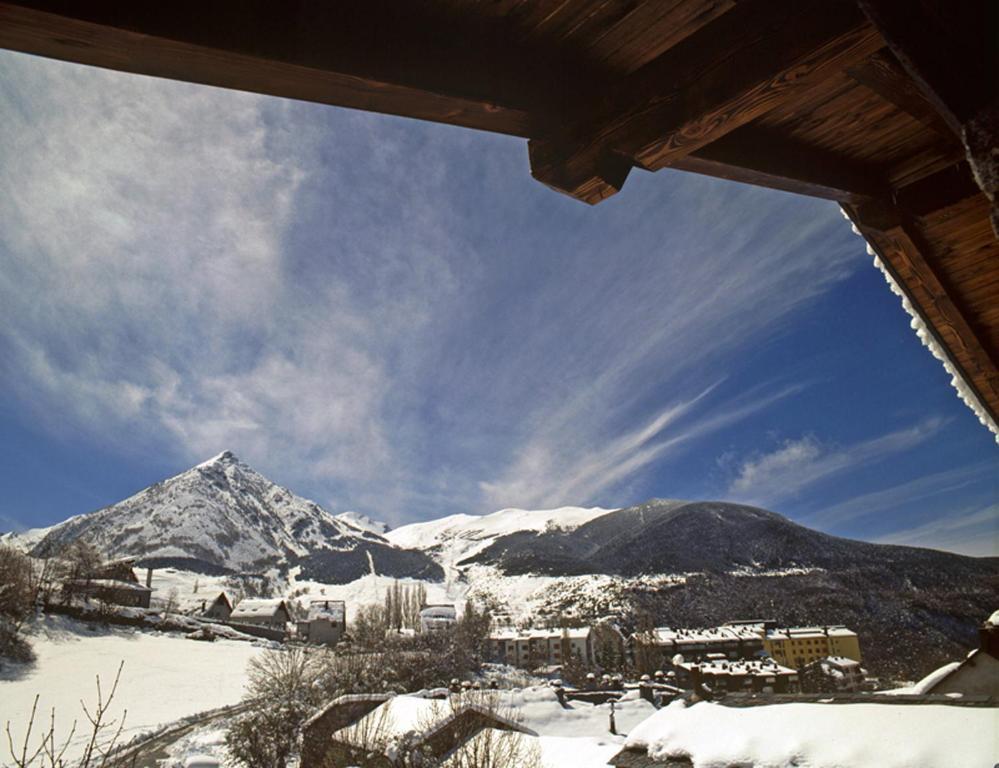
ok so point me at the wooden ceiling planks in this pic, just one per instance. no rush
(878, 104)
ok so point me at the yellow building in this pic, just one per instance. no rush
(797, 646)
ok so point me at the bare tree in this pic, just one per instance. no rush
(50, 750)
(285, 685)
(18, 593)
(172, 602)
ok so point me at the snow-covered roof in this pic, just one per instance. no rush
(759, 667)
(821, 735)
(840, 662)
(993, 620)
(503, 746)
(804, 633)
(405, 714)
(326, 609)
(571, 633)
(258, 608)
(111, 584)
(438, 612)
(682, 635)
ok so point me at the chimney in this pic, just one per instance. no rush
(988, 636)
(149, 578)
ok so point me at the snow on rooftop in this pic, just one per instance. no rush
(257, 607)
(927, 683)
(707, 635)
(993, 620)
(762, 667)
(799, 633)
(821, 735)
(326, 609)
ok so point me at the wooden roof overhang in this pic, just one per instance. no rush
(887, 106)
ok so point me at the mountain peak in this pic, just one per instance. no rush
(226, 457)
(223, 516)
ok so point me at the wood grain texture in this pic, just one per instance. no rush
(731, 72)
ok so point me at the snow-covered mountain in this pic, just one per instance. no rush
(453, 539)
(223, 516)
(364, 523)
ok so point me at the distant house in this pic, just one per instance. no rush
(112, 591)
(273, 614)
(219, 610)
(736, 640)
(798, 646)
(117, 570)
(325, 622)
(533, 648)
(833, 674)
(339, 713)
(435, 618)
(740, 675)
(435, 727)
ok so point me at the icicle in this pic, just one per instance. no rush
(929, 341)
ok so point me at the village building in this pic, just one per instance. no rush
(117, 570)
(436, 618)
(721, 675)
(272, 614)
(799, 646)
(534, 648)
(220, 608)
(496, 747)
(112, 591)
(833, 674)
(343, 711)
(325, 622)
(734, 641)
(434, 727)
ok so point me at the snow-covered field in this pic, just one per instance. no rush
(165, 676)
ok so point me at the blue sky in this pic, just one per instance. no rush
(393, 317)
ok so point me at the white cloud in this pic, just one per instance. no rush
(900, 495)
(972, 531)
(768, 478)
(341, 298)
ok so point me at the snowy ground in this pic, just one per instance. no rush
(165, 676)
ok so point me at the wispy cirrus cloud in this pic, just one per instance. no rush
(378, 311)
(769, 478)
(901, 496)
(970, 531)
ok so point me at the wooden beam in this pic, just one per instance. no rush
(950, 50)
(937, 192)
(731, 71)
(415, 59)
(883, 74)
(947, 47)
(764, 158)
(895, 237)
